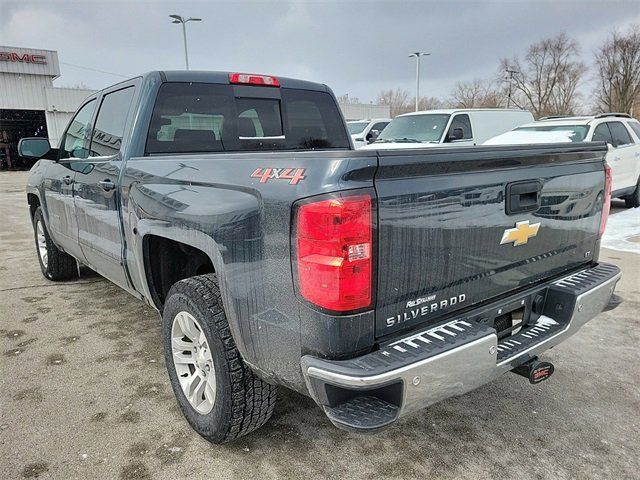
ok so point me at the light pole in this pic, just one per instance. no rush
(511, 73)
(418, 55)
(183, 21)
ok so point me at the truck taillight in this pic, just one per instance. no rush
(333, 249)
(253, 79)
(606, 206)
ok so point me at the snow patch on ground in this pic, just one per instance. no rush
(623, 231)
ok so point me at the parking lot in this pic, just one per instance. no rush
(84, 394)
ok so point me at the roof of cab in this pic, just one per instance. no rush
(201, 76)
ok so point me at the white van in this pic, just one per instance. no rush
(451, 127)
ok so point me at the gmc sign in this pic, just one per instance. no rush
(24, 58)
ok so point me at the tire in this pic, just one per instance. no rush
(229, 401)
(633, 200)
(54, 263)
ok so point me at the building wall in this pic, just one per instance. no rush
(361, 111)
(23, 92)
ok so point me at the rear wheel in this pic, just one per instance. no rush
(221, 398)
(54, 263)
(633, 200)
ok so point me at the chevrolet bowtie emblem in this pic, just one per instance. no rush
(521, 234)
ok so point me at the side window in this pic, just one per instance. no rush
(192, 117)
(460, 128)
(312, 120)
(72, 145)
(619, 134)
(635, 126)
(380, 126)
(108, 130)
(602, 134)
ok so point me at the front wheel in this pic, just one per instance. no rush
(54, 263)
(221, 398)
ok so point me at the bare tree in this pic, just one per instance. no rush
(477, 93)
(618, 72)
(548, 77)
(397, 100)
(429, 103)
(345, 99)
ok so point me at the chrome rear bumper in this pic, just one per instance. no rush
(372, 391)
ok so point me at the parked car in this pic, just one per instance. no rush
(376, 282)
(364, 132)
(619, 130)
(448, 127)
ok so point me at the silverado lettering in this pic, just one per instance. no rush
(425, 310)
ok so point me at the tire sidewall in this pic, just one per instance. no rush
(215, 424)
(39, 217)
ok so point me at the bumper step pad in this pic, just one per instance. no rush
(363, 413)
(514, 345)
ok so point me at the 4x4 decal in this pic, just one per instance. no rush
(294, 175)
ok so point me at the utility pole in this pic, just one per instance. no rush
(183, 21)
(418, 55)
(511, 73)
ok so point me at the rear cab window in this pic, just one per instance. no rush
(207, 117)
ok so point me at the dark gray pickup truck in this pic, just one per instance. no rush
(376, 282)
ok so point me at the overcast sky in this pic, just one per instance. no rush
(358, 47)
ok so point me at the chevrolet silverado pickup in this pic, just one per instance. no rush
(375, 282)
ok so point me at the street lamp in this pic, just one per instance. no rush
(183, 21)
(418, 55)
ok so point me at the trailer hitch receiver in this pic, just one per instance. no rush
(535, 370)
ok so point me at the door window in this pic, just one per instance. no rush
(602, 134)
(73, 141)
(460, 122)
(619, 134)
(108, 130)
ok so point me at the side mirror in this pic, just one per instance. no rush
(33, 147)
(373, 135)
(457, 134)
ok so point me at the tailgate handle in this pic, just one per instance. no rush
(523, 197)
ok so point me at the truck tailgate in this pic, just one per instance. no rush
(447, 238)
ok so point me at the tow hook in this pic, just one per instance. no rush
(535, 370)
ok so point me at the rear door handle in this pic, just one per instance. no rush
(67, 180)
(107, 185)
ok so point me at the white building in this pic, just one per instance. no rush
(364, 111)
(30, 105)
